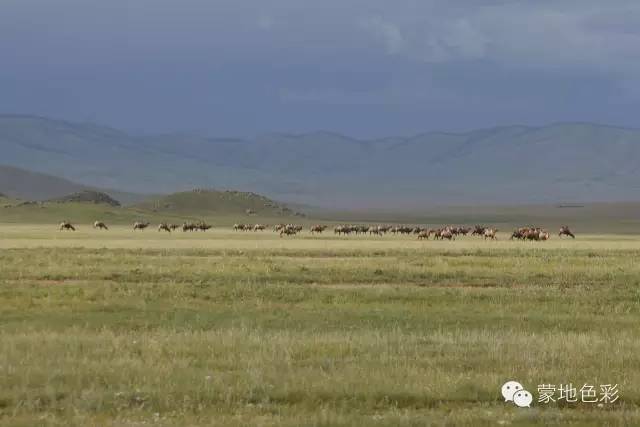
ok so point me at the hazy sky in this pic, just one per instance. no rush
(367, 68)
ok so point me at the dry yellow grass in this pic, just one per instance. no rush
(122, 237)
(123, 328)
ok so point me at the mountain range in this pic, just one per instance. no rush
(564, 162)
(27, 185)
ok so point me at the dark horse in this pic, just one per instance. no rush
(564, 231)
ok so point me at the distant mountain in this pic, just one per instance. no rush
(34, 186)
(213, 202)
(566, 162)
(87, 196)
(27, 185)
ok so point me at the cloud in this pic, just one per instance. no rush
(601, 36)
(386, 33)
(462, 39)
(462, 62)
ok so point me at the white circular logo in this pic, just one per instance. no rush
(509, 389)
(522, 399)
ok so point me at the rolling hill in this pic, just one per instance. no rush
(6, 201)
(213, 202)
(88, 196)
(28, 185)
(85, 207)
(34, 186)
(565, 162)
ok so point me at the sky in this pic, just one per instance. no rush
(365, 68)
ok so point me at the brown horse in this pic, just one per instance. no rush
(318, 229)
(66, 225)
(100, 225)
(490, 233)
(289, 230)
(446, 234)
(140, 225)
(564, 231)
(423, 235)
(478, 230)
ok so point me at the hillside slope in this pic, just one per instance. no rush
(558, 163)
(216, 207)
(28, 185)
(88, 196)
(212, 202)
(34, 186)
(105, 158)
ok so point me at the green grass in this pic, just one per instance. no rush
(216, 207)
(84, 214)
(117, 328)
(226, 208)
(6, 201)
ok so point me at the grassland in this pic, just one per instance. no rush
(222, 328)
(84, 214)
(217, 207)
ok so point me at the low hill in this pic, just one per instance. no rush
(85, 207)
(87, 196)
(27, 185)
(212, 202)
(6, 201)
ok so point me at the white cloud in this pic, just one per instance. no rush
(462, 38)
(457, 39)
(386, 32)
(599, 35)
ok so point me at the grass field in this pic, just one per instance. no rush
(222, 328)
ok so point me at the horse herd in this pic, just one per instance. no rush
(536, 233)
(422, 233)
(138, 225)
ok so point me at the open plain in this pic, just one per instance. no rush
(231, 328)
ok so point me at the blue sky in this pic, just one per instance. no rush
(367, 68)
